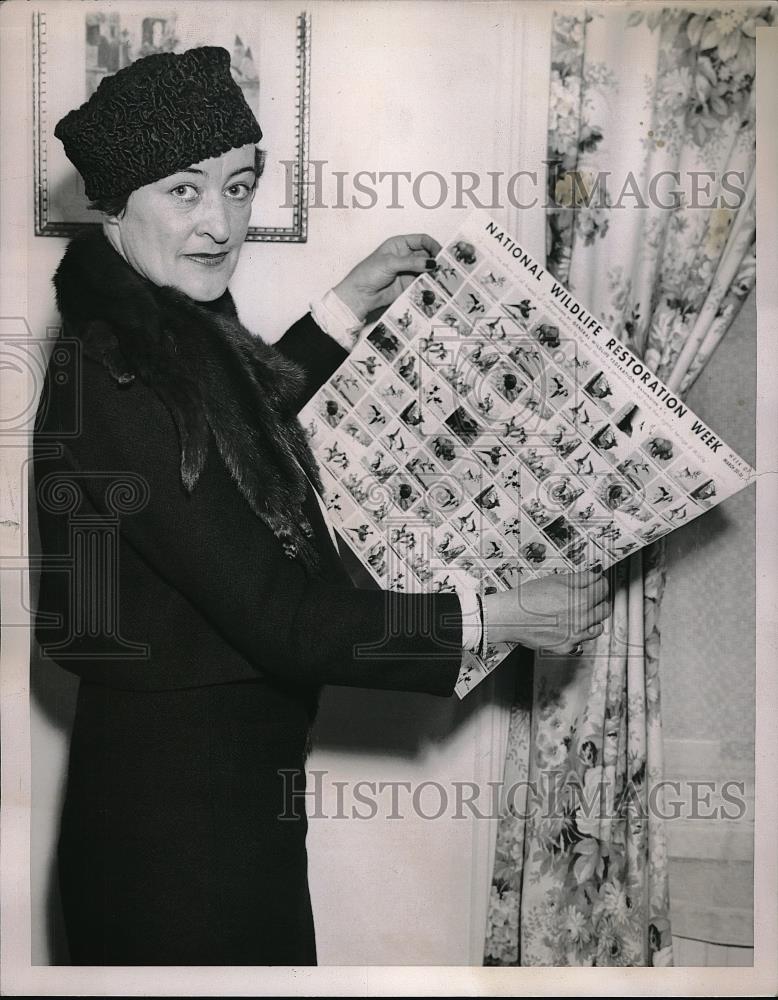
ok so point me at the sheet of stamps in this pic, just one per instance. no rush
(489, 430)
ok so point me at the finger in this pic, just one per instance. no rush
(585, 578)
(586, 633)
(596, 595)
(422, 241)
(588, 591)
(599, 613)
(564, 647)
(413, 263)
(596, 591)
(588, 617)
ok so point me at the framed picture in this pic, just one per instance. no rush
(75, 46)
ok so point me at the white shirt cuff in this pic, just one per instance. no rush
(336, 319)
(471, 619)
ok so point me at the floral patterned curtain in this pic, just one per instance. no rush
(665, 260)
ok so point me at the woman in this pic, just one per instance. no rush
(196, 588)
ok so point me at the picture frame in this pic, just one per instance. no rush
(75, 46)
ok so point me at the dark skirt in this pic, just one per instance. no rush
(183, 831)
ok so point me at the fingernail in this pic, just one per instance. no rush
(430, 263)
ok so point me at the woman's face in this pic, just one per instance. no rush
(187, 230)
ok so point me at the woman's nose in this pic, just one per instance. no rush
(213, 219)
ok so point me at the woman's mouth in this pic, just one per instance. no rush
(209, 259)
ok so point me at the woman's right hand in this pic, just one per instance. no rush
(556, 612)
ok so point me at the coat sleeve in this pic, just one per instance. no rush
(210, 546)
(314, 351)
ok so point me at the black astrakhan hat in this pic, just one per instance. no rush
(154, 117)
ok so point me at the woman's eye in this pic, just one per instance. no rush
(239, 192)
(184, 192)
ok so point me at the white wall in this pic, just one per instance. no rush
(708, 675)
(395, 86)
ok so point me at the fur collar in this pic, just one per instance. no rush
(211, 373)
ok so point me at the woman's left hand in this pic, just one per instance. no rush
(377, 280)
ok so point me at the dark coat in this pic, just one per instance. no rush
(189, 580)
